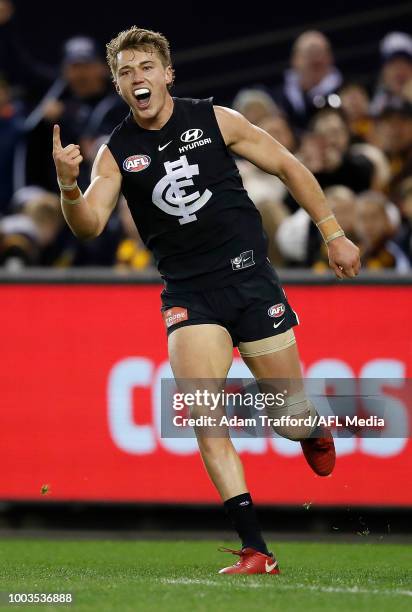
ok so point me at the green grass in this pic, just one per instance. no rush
(180, 576)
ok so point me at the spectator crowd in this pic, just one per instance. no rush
(357, 142)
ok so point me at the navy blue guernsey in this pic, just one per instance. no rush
(187, 199)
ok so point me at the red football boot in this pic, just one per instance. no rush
(251, 562)
(320, 452)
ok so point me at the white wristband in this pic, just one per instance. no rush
(66, 187)
(337, 234)
(68, 201)
(328, 218)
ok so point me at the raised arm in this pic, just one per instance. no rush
(88, 213)
(257, 146)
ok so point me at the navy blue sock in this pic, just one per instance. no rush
(242, 513)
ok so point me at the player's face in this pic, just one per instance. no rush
(142, 81)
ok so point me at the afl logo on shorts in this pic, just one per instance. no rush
(136, 163)
(277, 310)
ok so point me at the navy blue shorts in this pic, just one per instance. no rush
(253, 309)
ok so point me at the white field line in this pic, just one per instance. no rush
(288, 587)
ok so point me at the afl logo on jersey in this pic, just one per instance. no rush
(136, 163)
(191, 135)
(277, 310)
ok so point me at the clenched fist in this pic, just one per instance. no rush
(67, 160)
(344, 258)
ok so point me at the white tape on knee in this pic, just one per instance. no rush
(295, 405)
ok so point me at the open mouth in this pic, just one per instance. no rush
(142, 96)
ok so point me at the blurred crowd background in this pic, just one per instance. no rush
(354, 134)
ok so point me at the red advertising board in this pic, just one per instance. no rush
(80, 398)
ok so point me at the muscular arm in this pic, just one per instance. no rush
(104, 189)
(88, 213)
(258, 147)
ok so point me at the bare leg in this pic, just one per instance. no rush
(278, 371)
(319, 451)
(205, 352)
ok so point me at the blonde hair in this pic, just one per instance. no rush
(138, 38)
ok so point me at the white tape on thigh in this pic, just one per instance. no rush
(267, 345)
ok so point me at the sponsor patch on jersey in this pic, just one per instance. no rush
(174, 315)
(242, 261)
(277, 310)
(136, 163)
(194, 145)
(191, 135)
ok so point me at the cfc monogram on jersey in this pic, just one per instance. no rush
(170, 195)
(187, 199)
